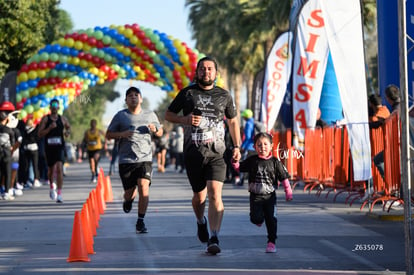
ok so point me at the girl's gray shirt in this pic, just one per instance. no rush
(137, 148)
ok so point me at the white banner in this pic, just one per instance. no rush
(309, 64)
(323, 27)
(276, 77)
(344, 24)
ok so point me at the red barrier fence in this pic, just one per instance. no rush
(325, 164)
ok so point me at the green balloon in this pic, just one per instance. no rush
(44, 57)
(18, 97)
(106, 39)
(89, 31)
(94, 51)
(63, 59)
(98, 35)
(100, 54)
(54, 57)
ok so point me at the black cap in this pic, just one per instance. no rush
(132, 89)
(3, 116)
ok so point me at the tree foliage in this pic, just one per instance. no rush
(90, 104)
(25, 27)
(240, 33)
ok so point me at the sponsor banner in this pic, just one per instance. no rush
(344, 24)
(309, 64)
(276, 77)
(323, 28)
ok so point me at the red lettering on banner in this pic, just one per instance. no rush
(316, 19)
(303, 92)
(304, 69)
(301, 118)
(308, 66)
(312, 42)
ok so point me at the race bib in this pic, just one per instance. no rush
(54, 141)
(31, 147)
(202, 137)
(92, 143)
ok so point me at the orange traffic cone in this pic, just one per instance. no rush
(87, 230)
(109, 197)
(94, 206)
(78, 251)
(92, 219)
(101, 176)
(100, 199)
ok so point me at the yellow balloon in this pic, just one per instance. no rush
(100, 81)
(70, 42)
(75, 61)
(41, 73)
(94, 70)
(32, 74)
(34, 92)
(83, 63)
(133, 40)
(128, 33)
(61, 41)
(23, 77)
(78, 45)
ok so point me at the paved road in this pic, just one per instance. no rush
(316, 236)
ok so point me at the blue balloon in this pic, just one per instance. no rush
(65, 50)
(32, 83)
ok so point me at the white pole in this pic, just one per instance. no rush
(405, 152)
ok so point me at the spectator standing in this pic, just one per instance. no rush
(30, 153)
(7, 140)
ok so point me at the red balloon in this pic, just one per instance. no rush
(33, 66)
(42, 65)
(92, 41)
(51, 64)
(140, 34)
(135, 27)
(83, 37)
(19, 105)
(99, 44)
(24, 68)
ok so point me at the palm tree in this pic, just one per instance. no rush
(240, 33)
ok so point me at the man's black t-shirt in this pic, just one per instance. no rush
(214, 105)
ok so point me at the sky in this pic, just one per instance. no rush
(167, 16)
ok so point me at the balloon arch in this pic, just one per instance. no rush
(89, 57)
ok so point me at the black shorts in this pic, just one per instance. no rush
(54, 155)
(201, 169)
(131, 172)
(91, 154)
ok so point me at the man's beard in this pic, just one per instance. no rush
(205, 82)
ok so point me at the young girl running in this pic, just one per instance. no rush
(265, 173)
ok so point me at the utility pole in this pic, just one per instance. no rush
(405, 149)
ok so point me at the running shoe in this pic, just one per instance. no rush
(270, 248)
(213, 246)
(52, 194)
(59, 198)
(202, 231)
(140, 227)
(19, 186)
(37, 183)
(127, 206)
(17, 192)
(8, 197)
